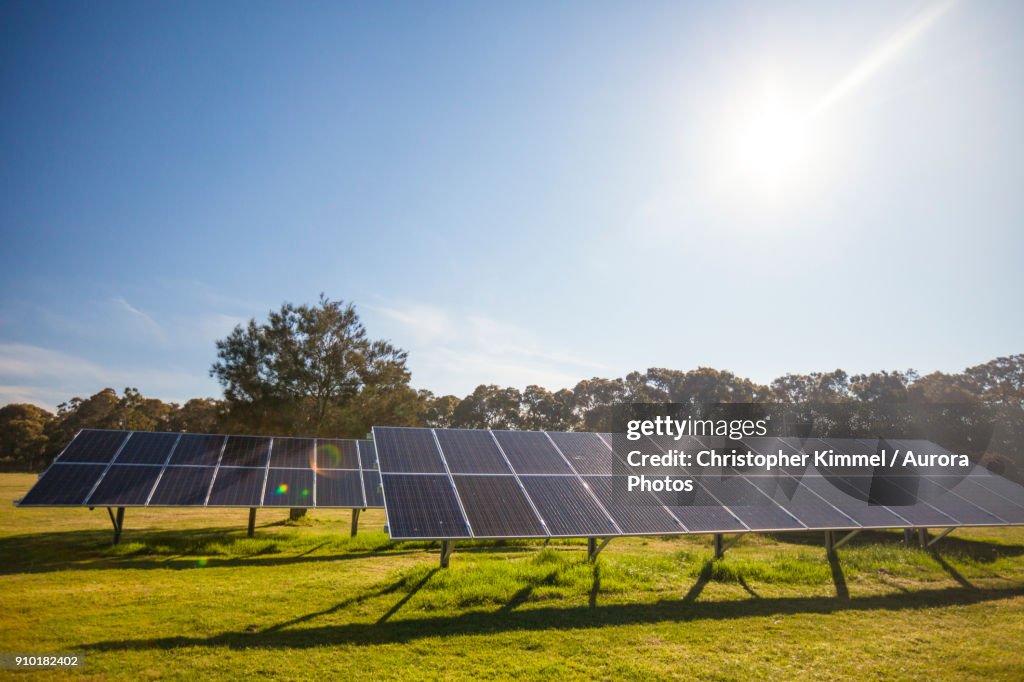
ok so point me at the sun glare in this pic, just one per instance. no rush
(770, 145)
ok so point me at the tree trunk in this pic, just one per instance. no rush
(296, 513)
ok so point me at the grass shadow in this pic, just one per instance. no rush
(389, 631)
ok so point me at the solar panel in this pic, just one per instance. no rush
(339, 488)
(246, 451)
(63, 484)
(93, 446)
(367, 454)
(288, 488)
(125, 486)
(147, 448)
(182, 486)
(193, 469)
(237, 487)
(422, 506)
(497, 507)
(373, 487)
(565, 504)
(337, 454)
(633, 515)
(470, 451)
(531, 452)
(586, 452)
(411, 451)
(292, 453)
(198, 449)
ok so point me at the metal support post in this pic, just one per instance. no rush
(118, 522)
(846, 538)
(593, 549)
(252, 521)
(447, 547)
(922, 537)
(830, 542)
(355, 522)
(719, 549)
(944, 533)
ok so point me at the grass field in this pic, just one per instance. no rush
(188, 595)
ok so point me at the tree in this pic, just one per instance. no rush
(23, 439)
(301, 371)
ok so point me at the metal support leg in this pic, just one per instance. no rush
(944, 533)
(118, 521)
(908, 537)
(922, 537)
(355, 522)
(830, 542)
(447, 547)
(846, 538)
(719, 548)
(252, 521)
(593, 549)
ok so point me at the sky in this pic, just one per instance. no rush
(516, 193)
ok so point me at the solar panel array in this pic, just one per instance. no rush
(464, 483)
(137, 468)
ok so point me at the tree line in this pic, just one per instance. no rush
(313, 370)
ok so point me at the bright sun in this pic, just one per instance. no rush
(770, 145)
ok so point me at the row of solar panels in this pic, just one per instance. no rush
(135, 468)
(460, 483)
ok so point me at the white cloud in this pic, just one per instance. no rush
(47, 377)
(454, 353)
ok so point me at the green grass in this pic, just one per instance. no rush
(188, 595)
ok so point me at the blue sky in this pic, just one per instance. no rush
(520, 193)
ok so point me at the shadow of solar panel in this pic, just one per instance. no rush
(496, 507)
(63, 484)
(289, 488)
(586, 452)
(182, 487)
(405, 450)
(567, 506)
(334, 453)
(645, 517)
(246, 451)
(93, 446)
(367, 454)
(294, 453)
(197, 449)
(745, 501)
(531, 452)
(422, 507)
(147, 448)
(858, 509)
(812, 511)
(373, 487)
(983, 498)
(339, 488)
(237, 487)
(470, 451)
(125, 486)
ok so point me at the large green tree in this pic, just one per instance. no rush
(312, 370)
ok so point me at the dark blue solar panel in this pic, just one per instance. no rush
(185, 486)
(497, 507)
(292, 453)
(147, 448)
(586, 452)
(367, 454)
(339, 488)
(404, 450)
(197, 449)
(531, 452)
(93, 446)
(237, 487)
(631, 513)
(469, 451)
(63, 484)
(289, 488)
(124, 486)
(567, 506)
(422, 506)
(246, 451)
(337, 454)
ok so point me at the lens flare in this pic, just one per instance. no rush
(331, 453)
(305, 493)
(282, 489)
(200, 562)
